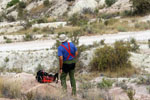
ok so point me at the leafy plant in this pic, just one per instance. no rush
(6, 59)
(86, 85)
(131, 93)
(105, 84)
(28, 37)
(8, 40)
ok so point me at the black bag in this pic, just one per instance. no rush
(44, 77)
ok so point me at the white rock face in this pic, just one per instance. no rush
(119, 6)
(3, 4)
(6, 27)
(82, 4)
(101, 2)
(54, 25)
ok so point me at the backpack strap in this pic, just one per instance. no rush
(69, 51)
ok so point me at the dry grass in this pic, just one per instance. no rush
(87, 76)
(9, 89)
(37, 9)
(122, 72)
(67, 29)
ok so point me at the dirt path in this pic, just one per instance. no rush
(109, 38)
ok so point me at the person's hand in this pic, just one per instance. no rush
(60, 71)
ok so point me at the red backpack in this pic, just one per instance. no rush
(44, 77)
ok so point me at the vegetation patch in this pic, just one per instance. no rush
(9, 89)
(110, 2)
(112, 59)
(141, 7)
(105, 84)
(12, 2)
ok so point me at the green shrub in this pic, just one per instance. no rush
(8, 40)
(132, 45)
(141, 7)
(121, 29)
(16, 70)
(109, 15)
(102, 42)
(111, 58)
(42, 20)
(110, 2)
(130, 93)
(12, 2)
(87, 11)
(22, 5)
(105, 84)
(10, 18)
(6, 59)
(28, 37)
(36, 29)
(127, 13)
(86, 85)
(46, 3)
(78, 20)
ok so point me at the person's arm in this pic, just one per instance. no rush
(60, 63)
(76, 54)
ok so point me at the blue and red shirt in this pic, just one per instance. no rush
(63, 52)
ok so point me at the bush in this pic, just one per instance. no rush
(12, 2)
(10, 18)
(105, 84)
(110, 2)
(111, 58)
(8, 40)
(6, 59)
(42, 20)
(78, 20)
(130, 93)
(141, 7)
(87, 11)
(121, 29)
(86, 85)
(46, 3)
(28, 37)
(22, 5)
(132, 45)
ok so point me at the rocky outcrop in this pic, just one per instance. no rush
(120, 5)
(80, 5)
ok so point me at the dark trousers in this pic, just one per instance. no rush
(68, 68)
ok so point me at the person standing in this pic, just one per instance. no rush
(67, 53)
